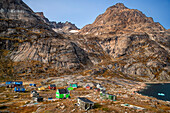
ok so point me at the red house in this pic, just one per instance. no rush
(52, 86)
(12, 85)
(96, 90)
(88, 87)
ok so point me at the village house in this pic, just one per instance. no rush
(34, 85)
(52, 86)
(41, 88)
(19, 89)
(99, 86)
(85, 103)
(104, 95)
(12, 84)
(38, 99)
(69, 88)
(62, 93)
(74, 85)
(34, 93)
(96, 90)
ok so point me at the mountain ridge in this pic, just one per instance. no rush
(58, 27)
(121, 42)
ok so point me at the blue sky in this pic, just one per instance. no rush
(83, 12)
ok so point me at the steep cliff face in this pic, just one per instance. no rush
(138, 47)
(26, 36)
(121, 42)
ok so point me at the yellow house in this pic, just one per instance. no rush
(41, 88)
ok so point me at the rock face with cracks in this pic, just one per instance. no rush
(121, 40)
(138, 46)
(28, 37)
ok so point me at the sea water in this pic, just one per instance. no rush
(160, 91)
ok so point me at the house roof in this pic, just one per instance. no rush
(52, 85)
(34, 91)
(20, 87)
(63, 91)
(85, 100)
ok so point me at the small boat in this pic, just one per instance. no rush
(161, 94)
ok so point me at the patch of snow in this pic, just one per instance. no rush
(74, 31)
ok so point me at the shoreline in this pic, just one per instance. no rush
(156, 82)
(144, 85)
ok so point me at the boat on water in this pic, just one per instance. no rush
(161, 94)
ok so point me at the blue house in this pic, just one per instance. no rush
(19, 89)
(14, 82)
(33, 85)
(18, 83)
(74, 85)
(8, 82)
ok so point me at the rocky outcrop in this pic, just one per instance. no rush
(65, 28)
(121, 42)
(28, 37)
(118, 20)
(138, 46)
(59, 27)
(59, 53)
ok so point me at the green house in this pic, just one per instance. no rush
(70, 88)
(103, 95)
(111, 97)
(108, 96)
(62, 93)
(74, 85)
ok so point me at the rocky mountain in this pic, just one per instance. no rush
(26, 37)
(122, 42)
(119, 19)
(138, 46)
(65, 28)
(58, 27)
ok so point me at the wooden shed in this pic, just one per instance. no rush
(85, 103)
